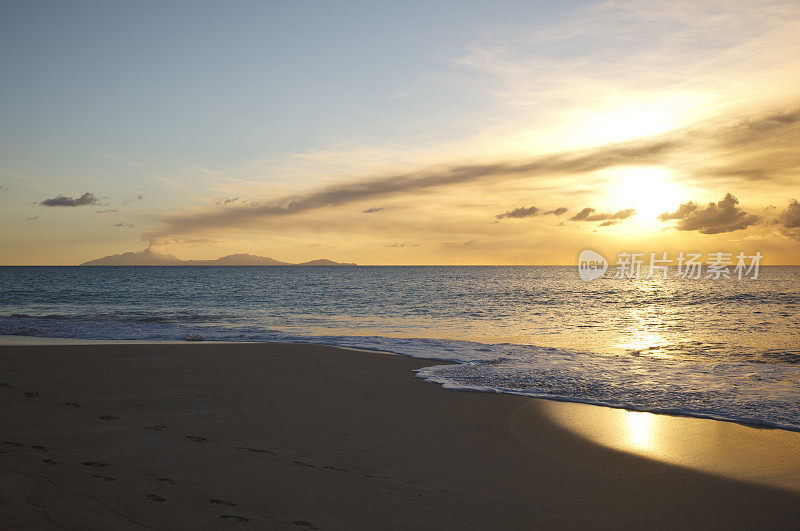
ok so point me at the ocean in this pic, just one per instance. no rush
(727, 349)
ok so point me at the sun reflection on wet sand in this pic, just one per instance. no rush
(639, 430)
(764, 456)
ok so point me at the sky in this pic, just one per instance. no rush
(399, 133)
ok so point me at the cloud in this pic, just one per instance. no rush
(789, 220)
(32, 218)
(181, 240)
(139, 197)
(608, 223)
(338, 194)
(588, 214)
(520, 212)
(124, 225)
(688, 148)
(401, 244)
(583, 215)
(526, 212)
(759, 148)
(715, 218)
(111, 211)
(63, 201)
(464, 245)
(226, 201)
(233, 201)
(372, 210)
(744, 129)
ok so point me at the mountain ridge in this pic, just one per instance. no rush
(148, 257)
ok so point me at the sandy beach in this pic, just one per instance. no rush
(298, 436)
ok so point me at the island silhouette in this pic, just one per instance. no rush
(149, 257)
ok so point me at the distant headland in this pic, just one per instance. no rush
(148, 257)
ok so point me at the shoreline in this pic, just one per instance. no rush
(20, 340)
(338, 438)
(34, 341)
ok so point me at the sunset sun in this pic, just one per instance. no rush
(649, 190)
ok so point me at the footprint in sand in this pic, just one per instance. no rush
(217, 501)
(105, 478)
(156, 428)
(197, 439)
(156, 498)
(31, 394)
(72, 404)
(109, 417)
(96, 464)
(234, 517)
(49, 462)
(256, 450)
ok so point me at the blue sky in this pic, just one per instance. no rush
(217, 82)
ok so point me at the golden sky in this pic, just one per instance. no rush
(493, 136)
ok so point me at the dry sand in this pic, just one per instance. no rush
(307, 436)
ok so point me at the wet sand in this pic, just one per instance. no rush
(307, 436)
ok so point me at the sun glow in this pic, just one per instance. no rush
(649, 190)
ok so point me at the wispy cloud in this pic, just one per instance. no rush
(372, 210)
(643, 48)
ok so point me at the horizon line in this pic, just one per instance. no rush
(333, 266)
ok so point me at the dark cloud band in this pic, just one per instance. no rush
(742, 137)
